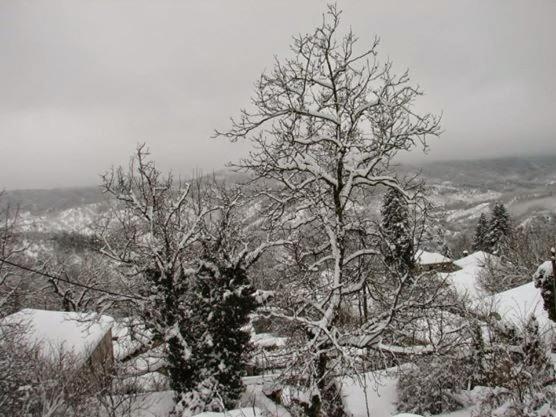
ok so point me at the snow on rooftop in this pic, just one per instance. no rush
(517, 304)
(130, 335)
(430, 258)
(465, 280)
(476, 259)
(72, 332)
(268, 340)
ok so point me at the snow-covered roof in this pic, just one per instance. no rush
(267, 340)
(476, 259)
(430, 258)
(52, 331)
(517, 304)
(465, 281)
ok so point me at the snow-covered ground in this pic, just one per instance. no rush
(468, 213)
(373, 394)
(152, 404)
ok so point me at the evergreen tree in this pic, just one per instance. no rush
(216, 361)
(499, 230)
(396, 230)
(480, 239)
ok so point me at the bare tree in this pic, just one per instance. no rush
(325, 126)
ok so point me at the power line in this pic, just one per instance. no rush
(67, 281)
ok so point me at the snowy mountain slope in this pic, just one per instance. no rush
(77, 219)
(459, 191)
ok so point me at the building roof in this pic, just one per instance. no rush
(466, 280)
(60, 331)
(430, 258)
(517, 304)
(477, 259)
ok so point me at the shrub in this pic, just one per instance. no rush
(430, 386)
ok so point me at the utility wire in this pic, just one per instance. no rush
(67, 281)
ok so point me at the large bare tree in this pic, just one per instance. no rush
(325, 126)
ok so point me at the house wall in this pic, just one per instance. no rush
(101, 361)
(440, 267)
(103, 355)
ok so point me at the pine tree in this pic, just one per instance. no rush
(499, 230)
(480, 238)
(396, 230)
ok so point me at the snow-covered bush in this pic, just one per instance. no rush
(544, 280)
(539, 401)
(521, 376)
(430, 385)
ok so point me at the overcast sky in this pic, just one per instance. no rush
(83, 81)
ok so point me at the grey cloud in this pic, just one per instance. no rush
(83, 81)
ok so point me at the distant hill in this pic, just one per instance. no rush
(460, 191)
(54, 200)
(500, 173)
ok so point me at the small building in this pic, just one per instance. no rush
(85, 338)
(433, 261)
